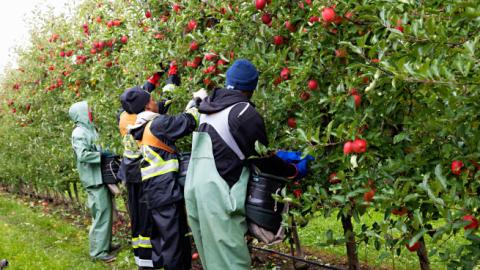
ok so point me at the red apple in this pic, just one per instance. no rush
(304, 96)
(99, 19)
(278, 40)
(341, 53)
(368, 196)
(353, 91)
(260, 4)
(124, 39)
(414, 247)
(314, 19)
(109, 24)
(359, 146)
(266, 18)
(290, 26)
(457, 166)
(210, 57)
(194, 46)
(209, 70)
(348, 147)
(191, 25)
(176, 7)
(399, 28)
(348, 15)
(62, 54)
(297, 193)
(285, 73)
(148, 14)
(328, 14)
(69, 53)
(473, 222)
(117, 22)
(400, 211)
(333, 179)
(357, 99)
(312, 85)
(292, 122)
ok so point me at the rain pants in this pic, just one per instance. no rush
(216, 212)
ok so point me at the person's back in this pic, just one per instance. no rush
(217, 178)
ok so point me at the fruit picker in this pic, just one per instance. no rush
(88, 159)
(156, 132)
(135, 101)
(229, 128)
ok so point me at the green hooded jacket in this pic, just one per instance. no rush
(84, 137)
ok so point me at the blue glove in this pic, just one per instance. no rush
(295, 157)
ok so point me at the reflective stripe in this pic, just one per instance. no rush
(135, 242)
(194, 112)
(143, 262)
(141, 242)
(131, 149)
(157, 166)
(131, 154)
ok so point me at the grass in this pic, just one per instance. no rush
(34, 239)
(314, 234)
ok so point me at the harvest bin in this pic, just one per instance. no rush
(110, 166)
(261, 207)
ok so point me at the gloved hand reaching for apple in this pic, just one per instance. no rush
(295, 158)
(198, 96)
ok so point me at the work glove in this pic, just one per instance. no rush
(152, 81)
(198, 96)
(164, 105)
(295, 157)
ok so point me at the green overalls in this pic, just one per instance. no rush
(216, 213)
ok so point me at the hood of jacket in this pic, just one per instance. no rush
(79, 114)
(221, 99)
(142, 119)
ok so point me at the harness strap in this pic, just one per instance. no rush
(150, 140)
(219, 121)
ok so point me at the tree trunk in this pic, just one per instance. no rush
(353, 263)
(75, 191)
(423, 255)
(299, 252)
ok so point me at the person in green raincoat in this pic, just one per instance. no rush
(88, 159)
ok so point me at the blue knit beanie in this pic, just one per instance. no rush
(242, 75)
(134, 100)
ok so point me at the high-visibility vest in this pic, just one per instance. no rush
(130, 146)
(156, 164)
(126, 120)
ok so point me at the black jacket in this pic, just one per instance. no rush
(163, 189)
(246, 129)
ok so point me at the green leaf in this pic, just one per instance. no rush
(440, 177)
(401, 137)
(417, 237)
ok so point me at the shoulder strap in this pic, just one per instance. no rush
(150, 140)
(219, 121)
